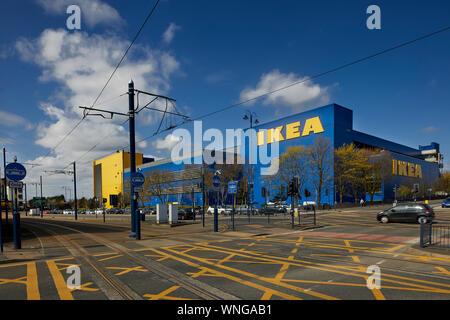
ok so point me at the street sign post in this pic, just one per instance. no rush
(216, 184)
(137, 179)
(15, 172)
(232, 189)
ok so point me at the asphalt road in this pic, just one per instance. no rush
(264, 259)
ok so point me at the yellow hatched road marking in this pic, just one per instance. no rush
(442, 271)
(230, 277)
(112, 257)
(164, 295)
(127, 270)
(326, 267)
(254, 276)
(61, 286)
(17, 280)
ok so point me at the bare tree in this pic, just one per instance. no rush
(157, 183)
(320, 164)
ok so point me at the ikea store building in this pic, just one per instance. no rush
(409, 165)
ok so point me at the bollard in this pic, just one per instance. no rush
(16, 229)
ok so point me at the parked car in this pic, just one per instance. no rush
(243, 210)
(220, 210)
(272, 209)
(446, 203)
(407, 212)
(185, 214)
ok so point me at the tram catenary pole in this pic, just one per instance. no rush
(75, 190)
(135, 221)
(41, 205)
(6, 192)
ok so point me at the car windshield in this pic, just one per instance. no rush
(447, 200)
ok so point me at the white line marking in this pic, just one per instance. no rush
(380, 262)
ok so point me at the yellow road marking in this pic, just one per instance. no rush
(230, 277)
(32, 282)
(326, 267)
(112, 257)
(127, 270)
(442, 271)
(85, 287)
(254, 276)
(17, 280)
(61, 286)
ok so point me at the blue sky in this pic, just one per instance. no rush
(210, 54)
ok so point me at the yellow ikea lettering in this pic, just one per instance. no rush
(418, 171)
(402, 171)
(274, 134)
(312, 125)
(407, 169)
(292, 130)
(394, 166)
(260, 138)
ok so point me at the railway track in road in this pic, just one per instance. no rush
(113, 287)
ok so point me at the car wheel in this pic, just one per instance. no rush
(384, 219)
(422, 220)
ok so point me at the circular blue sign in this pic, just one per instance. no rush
(15, 171)
(137, 179)
(216, 181)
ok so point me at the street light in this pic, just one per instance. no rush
(249, 115)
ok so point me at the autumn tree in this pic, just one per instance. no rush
(376, 169)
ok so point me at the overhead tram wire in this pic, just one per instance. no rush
(109, 79)
(404, 44)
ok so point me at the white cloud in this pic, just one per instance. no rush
(296, 97)
(93, 12)
(14, 120)
(170, 32)
(167, 143)
(429, 129)
(80, 64)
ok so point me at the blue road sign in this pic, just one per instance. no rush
(15, 171)
(137, 179)
(232, 187)
(216, 181)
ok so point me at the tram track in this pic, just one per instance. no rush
(77, 250)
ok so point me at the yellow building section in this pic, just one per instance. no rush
(108, 176)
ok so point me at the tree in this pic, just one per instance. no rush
(376, 169)
(319, 164)
(292, 163)
(404, 191)
(343, 168)
(157, 183)
(444, 182)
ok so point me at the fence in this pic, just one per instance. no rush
(272, 219)
(434, 234)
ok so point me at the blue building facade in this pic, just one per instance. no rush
(332, 122)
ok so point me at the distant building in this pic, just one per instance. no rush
(108, 176)
(335, 123)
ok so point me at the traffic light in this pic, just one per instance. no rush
(290, 189)
(307, 193)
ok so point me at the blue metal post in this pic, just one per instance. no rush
(134, 219)
(216, 214)
(16, 223)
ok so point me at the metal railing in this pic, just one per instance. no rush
(434, 234)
